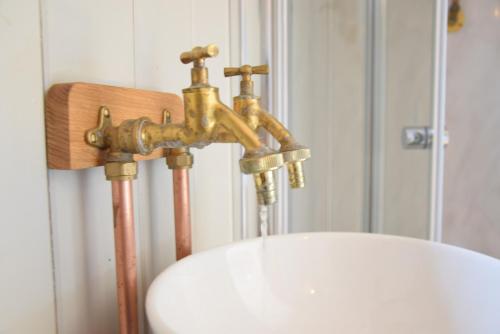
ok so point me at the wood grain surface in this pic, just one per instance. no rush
(73, 108)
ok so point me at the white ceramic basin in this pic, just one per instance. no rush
(329, 283)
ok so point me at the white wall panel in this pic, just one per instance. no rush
(163, 29)
(88, 41)
(26, 280)
(212, 173)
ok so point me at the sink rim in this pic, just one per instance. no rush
(302, 235)
(312, 236)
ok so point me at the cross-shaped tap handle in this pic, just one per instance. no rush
(246, 71)
(198, 54)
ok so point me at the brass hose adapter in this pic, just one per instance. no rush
(294, 159)
(262, 168)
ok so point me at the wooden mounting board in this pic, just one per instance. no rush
(73, 108)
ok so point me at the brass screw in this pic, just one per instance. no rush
(105, 111)
(93, 138)
(166, 116)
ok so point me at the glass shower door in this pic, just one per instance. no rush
(365, 93)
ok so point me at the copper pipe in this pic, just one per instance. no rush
(181, 212)
(126, 271)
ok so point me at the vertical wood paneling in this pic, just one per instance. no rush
(26, 280)
(85, 41)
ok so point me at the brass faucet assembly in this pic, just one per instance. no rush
(135, 136)
(207, 120)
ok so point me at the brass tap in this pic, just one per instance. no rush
(206, 120)
(248, 106)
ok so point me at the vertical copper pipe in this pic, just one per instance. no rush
(181, 213)
(126, 271)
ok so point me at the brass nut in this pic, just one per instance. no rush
(259, 164)
(179, 161)
(120, 171)
(299, 154)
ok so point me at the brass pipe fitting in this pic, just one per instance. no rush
(266, 188)
(179, 158)
(262, 168)
(295, 175)
(120, 171)
(294, 160)
(120, 167)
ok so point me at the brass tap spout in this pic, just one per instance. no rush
(248, 105)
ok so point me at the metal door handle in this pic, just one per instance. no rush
(417, 137)
(420, 137)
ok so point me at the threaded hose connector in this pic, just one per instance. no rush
(266, 188)
(295, 174)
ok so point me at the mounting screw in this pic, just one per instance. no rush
(96, 136)
(105, 111)
(166, 116)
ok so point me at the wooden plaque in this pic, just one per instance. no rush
(73, 108)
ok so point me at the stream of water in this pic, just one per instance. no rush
(263, 221)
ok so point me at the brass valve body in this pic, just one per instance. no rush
(248, 106)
